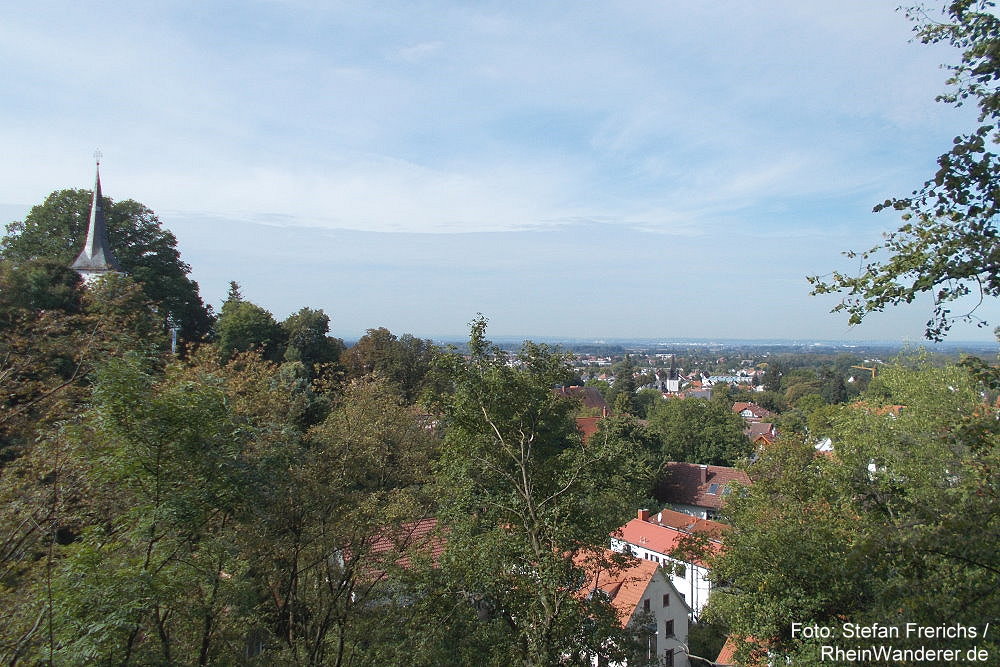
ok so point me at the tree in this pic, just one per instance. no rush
(523, 499)
(948, 244)
(325, 551)
(622, 394)
(53, 335)
(899, 527)
(696, 430)
(55, 230)
(404, 360)
(243, 326)
(308, 342)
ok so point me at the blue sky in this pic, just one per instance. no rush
(600, 169)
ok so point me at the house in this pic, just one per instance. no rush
(646, 600)
(591, 398)
(761, 434)
(698, 490)
(656, 537)
(751, 412)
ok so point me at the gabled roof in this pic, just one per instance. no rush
(589, 396)
(688, 523)
(414, 537)
(96, 256)
(625, 588)
(697, 485)
(661, 539)
(761, 430)
(757, 411)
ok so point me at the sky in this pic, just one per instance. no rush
(617, 169)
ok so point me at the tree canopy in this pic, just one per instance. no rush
(698, 430)
(948, 245)
(523, 499)
(899, 526)
(55, 230)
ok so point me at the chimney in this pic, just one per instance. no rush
(643, 515)
(702, 473)
(659, 517)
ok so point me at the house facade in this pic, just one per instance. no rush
(647, 601)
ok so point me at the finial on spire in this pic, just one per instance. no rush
(97, 156)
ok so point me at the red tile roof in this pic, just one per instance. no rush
(697, 485)
(415, 537)
(659, 538)
(764, 430)
(727, 656)
(757, 411)
(587, 426)
(624, 588)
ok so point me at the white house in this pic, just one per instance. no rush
(646, 600)
(655, 537)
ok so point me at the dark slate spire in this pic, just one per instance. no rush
(96, 258)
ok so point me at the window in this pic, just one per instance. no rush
(666, 599)
(668, 628)
(645, 604)
(713, 489)
(668, 658)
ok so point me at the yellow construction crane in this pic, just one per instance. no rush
(873, 369)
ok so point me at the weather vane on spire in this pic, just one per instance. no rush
(98, 155)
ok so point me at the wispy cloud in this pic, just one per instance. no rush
(769, 121)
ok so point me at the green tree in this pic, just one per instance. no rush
(340, 508)
(55, 230)
(522, 500)
(696, 430)
(307, 340)
(243, 326)
(53, 335)
(948, 244)
(621, 397)
(154, 579)
(404, 360)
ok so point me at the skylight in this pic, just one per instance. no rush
(713, 489)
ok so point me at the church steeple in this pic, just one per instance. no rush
(96, 258)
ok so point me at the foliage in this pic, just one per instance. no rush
(51, 336)
(523, 499)
(244, 326)
(948, 244)
(55, 230)
(326, 551)
(405, 361)
(307, 341)
(621, 396)
(899, 527)
(696, 430)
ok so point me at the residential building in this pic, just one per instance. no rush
(657, 537)
(647, 601)
(751, 412)
(697, 489)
